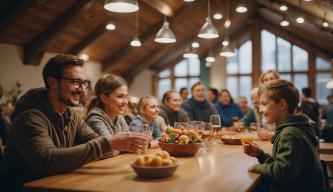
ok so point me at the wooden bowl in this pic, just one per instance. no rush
(180, 150)
(151, 172)
(231, 141)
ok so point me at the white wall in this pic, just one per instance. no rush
(30, 76)
(218, 73)
(141, 84)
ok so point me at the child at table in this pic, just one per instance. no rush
(294, 164)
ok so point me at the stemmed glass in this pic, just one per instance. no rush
(216, 123)
(207, 136)
(181, 125)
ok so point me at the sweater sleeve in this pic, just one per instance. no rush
(288, 162)
(98, 125)
(32, 140)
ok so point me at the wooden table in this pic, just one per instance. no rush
(325, 148)
(225, 168)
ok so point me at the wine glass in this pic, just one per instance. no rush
(181, 125)
(216, 123)
(207, 135)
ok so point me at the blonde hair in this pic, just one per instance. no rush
(281, 89)
(143, 102)
(274, 72)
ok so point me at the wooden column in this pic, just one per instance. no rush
(256, 47)
(312, 73)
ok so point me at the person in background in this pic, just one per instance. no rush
(253, 115)
(148, 109)
(106, 109)
(184, 93)
(212, 95)
(294, 164)
(3, 129)
(170, 109)
(242, 102)
(267, 132)
(47, 136)
(327, 112)
(198, 108)
(227, 109)
(268, 76)
(131, 112)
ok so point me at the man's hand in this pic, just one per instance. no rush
(126, 141)
(252, 149)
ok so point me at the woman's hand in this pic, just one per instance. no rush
(126, 141)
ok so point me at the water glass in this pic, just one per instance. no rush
(207, 136)
(181, 125)
(253, 126)
(216, 123)
(146, 130)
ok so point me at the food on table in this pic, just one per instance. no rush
(161, 158)
(178, 136)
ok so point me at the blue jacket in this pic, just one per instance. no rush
(198, 111)
(156, 133)
(228, 112)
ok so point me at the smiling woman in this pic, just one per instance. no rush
(107, 107)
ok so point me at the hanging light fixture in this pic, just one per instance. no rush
(300, 19)
(227, 22)
(208, 64)
(110, 26)
(195, 44)
(165, 35)
(190, 53)
(241, 8)
(208, 31)
(228, 51)
(210, 59)
(136, 41)
(283, 7)
(325, 23)
(225, 43)
(284, 22)
(188, 0)
(217, 16)
(121, 6)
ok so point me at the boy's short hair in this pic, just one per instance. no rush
(307, 92)
(281, 89)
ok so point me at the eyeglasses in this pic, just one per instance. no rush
(77, 83)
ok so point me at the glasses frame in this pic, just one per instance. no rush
(77, 83)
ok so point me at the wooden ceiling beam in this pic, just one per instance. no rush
(160, 6)
(13, 11)
(33, 50)
(91, 37)
(116, 57)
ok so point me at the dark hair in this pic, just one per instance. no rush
(167, 96)
(182, 89)
(196, 84)
(105, 85)
(307, 92)
(281, 89)
(228, 92)
(56, 66)
(214, 91)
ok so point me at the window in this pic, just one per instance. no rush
(290, 60)
(323, 68)
(239, 70)
(186, 73)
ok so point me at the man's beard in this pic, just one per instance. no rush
(67, 101)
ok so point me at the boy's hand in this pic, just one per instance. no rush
(252, 149)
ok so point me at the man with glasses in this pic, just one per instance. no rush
(48, 137)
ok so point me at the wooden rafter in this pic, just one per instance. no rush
(13, 11)
(160, 6)
(91, 37)
(33, 50)
(116, 57)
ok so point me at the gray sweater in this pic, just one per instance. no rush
(103, 125)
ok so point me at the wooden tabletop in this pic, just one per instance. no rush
(225, 168)
(325, 148)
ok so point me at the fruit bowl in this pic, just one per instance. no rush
(150, 172)
(180, 150)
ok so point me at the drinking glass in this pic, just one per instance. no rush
(181, 125)
(207, 136)
(145, 130)
(216, 123)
